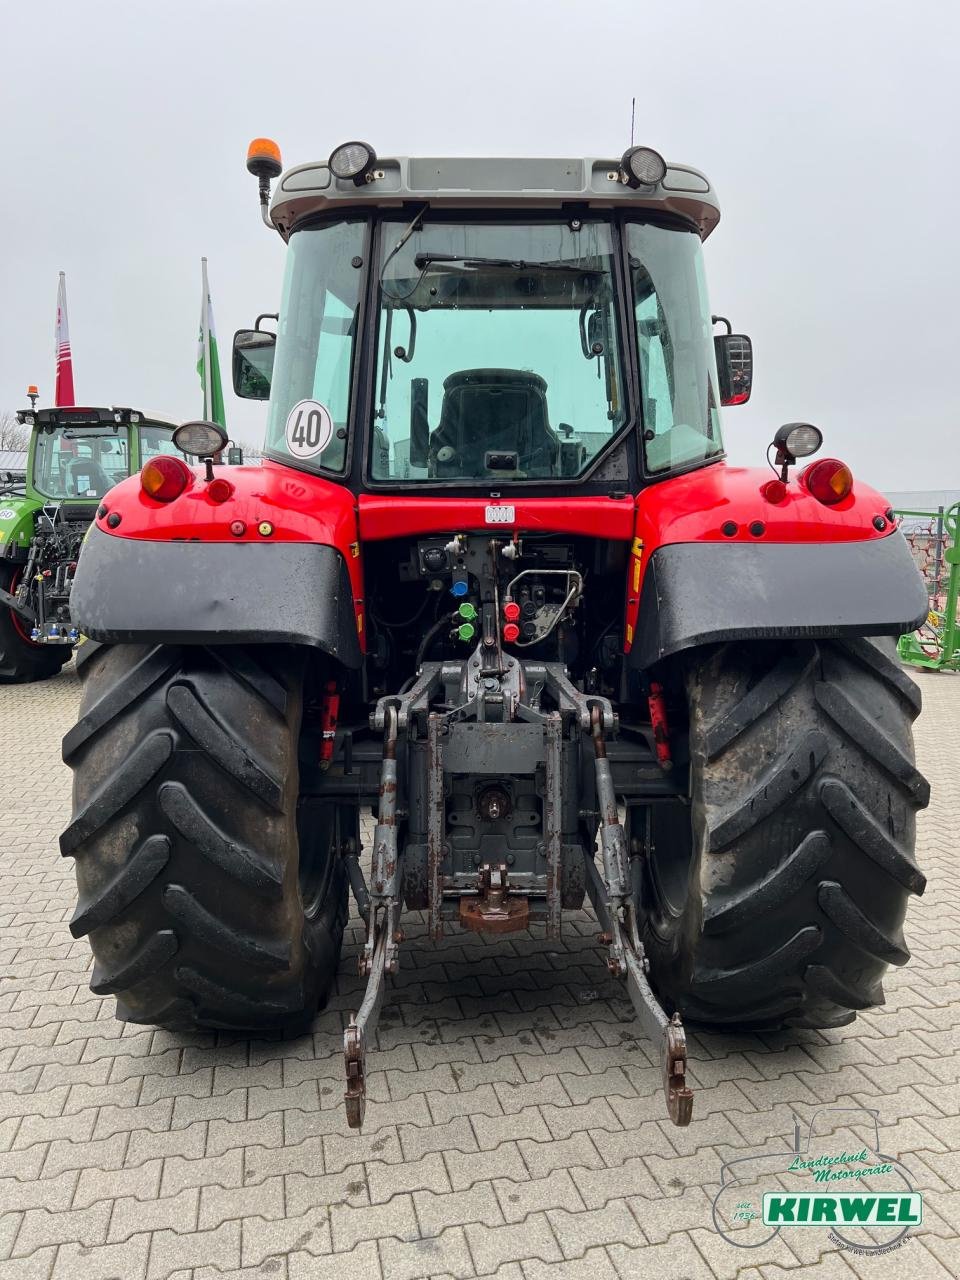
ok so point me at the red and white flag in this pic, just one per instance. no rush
(64, 393)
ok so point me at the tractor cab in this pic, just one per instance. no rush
(455, 325)
(76, 455)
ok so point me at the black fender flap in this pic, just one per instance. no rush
(131, 591)
(697, 593)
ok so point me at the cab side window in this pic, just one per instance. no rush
(153, 441)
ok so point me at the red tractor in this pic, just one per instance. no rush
(495, 581)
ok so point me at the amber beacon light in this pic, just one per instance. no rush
(264, 162)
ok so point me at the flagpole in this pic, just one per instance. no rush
(207, 376)
(63, 388)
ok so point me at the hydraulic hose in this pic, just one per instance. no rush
(425, 642)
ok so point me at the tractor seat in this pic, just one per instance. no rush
(83, 475)
(493, 409)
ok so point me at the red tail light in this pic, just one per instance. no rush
(829, 480)
(165, 478)
(219, 490)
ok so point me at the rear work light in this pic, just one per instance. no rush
(165, 478)
(829, 480)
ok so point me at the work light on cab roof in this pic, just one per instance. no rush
(643, 167)
(352, 160)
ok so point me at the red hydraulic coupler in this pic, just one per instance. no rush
(661, 729)
(329, 711)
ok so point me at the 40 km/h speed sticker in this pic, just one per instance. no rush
(309, 428)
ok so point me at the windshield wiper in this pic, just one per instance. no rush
(423, 260)
(405, 236)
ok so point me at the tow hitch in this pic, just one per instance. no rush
(493, 720)
(494, 909)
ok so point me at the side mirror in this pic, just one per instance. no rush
(734, 367)
(253, 352)
(419, 423)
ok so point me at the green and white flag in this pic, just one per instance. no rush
(208, 360)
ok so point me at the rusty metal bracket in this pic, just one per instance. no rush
(613, 840)
(361, 1024)
(627, 950)
(494, 909)
(384, 936)
(384, 879)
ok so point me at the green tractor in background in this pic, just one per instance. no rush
(75, 456)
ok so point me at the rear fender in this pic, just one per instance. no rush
(277, 562)
(16, 526)
(714, 560)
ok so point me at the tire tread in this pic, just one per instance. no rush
(131, 776)
(186, 843)
(142, 964)
(144, 866)
(803, 798)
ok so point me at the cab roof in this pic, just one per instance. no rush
(462, 182)
(79, 415)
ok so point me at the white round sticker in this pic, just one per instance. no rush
(309, 428)
(7, 514)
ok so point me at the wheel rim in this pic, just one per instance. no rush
(319, 831)
(668, 858)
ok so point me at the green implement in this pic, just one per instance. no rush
(76, 456)
(933, 539)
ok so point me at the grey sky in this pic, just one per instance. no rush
(829, 129)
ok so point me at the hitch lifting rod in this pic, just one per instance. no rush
(617, 915)
(663, 1030)
(380, 952)
(613, 842)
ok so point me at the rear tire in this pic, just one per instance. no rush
(778, 896)
(185, 835)
(22, 661)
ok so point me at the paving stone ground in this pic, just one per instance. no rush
(515, 1127)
